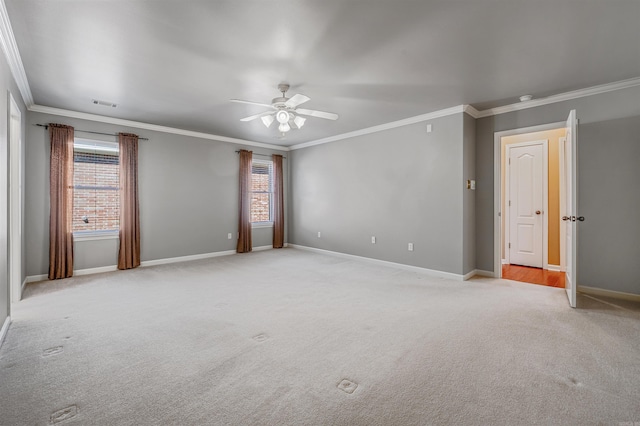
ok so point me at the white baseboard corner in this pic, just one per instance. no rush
(426, 271)
(555, 268)
(5, 329)
(483, 273)
(593, 291)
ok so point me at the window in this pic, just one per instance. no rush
(96, 195)
(261, 191)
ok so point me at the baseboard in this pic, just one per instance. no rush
(186, 258)
(165, 261)
(504, 262)
(5, 329)
(431, 272)
(555, 268)
(609, 293)
(483, 273)
(24, 284)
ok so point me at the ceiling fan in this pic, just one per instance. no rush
(285, 111)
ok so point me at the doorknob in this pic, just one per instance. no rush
(538, 212)
(565, 218)
(580, 218)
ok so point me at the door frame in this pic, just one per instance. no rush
(545, 199)
(497, 179)
(14, 127)
(563, 265)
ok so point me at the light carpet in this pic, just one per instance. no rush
(288, 337)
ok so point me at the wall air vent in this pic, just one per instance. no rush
(104, 103)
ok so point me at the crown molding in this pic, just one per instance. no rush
(561, 97)
(392, 125)
(10, 49)
(154, 127)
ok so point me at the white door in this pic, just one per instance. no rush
(571, 206)
(525, 204)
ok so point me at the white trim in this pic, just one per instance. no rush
(561, 97)
(35, 278)
(471, 111)
(5, 327)
(545, 198)
(186, 258)
(505, 262)
(147, 126)
(11, 52)
(165, 261)
(483, 273)
(469, 275)
(497, 176)
(431, 272)
(555, 268)
(259, 225)
(392, 125)
(94, 237)
(262, 248)
(15, 223)
(609, 293)
(563, 187)
(98, 270)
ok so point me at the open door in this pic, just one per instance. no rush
(571, 207)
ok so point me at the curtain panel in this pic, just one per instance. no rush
(129, 252)
(244, 213)
(278, 202)
(61, 201)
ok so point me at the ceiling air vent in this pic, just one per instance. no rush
(104, 103)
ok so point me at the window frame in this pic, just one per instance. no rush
(269, 164)
(99, 146)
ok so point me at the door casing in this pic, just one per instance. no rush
(497, 179)
(545, 200)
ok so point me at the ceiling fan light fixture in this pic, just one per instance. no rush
(299, 121)
(267, 120)
(282, 116)
(284, 127)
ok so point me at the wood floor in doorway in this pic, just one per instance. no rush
(533, 275)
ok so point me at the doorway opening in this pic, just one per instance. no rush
(530, 242)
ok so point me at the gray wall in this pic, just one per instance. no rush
(188, 196)
(401, 185)
(469, 196)
(591, 111)
(7, 85)
(608, 197)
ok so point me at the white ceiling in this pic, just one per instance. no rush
(177, 63)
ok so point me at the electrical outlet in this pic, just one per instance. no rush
(373, 240)
(429, 128)
(229, 236)
(410, 247)
(319, 234)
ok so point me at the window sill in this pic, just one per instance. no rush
(97, 236)
(255, 225)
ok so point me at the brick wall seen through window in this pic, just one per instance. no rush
(261, 190)
(96, 198)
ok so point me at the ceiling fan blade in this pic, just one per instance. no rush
(319, 114)
(297, 100)
(240, 101)
(253, 117)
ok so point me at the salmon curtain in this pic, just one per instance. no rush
(244, 226)
(61, 202)
(129, 252)
(278, 202)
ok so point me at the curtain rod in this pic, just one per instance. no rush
(46, 126)
(262, 155)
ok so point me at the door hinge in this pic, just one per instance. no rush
(509, 203)
(509, 245)
(509, 160)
